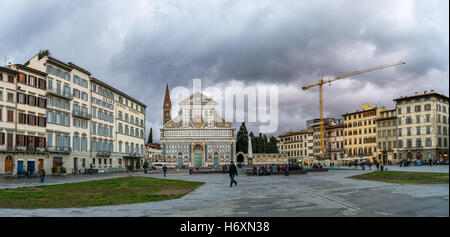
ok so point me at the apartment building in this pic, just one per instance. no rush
(55, 115)
(153, 153)
(387, 137)
(360, 132)
(297, 145)
(315, 126)
(30, 118)
(334, 137)
(422, 121)
(68, 119)
(8, 80)
(118, 128)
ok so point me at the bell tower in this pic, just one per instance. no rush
(167, 106)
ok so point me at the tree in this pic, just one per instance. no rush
(43, 53)
(150, 136)
(272, 145)
(265, 143)
(242, 139)
(254, 145)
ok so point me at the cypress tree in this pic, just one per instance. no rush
(242, 139)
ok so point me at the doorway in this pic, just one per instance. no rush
(8, 165)
(30, 166)
(20, 167)
(40, 164)
(216, 160)
(198, 155)
(75, 165)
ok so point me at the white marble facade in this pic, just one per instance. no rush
(198, 136)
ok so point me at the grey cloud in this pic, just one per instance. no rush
(139, 47)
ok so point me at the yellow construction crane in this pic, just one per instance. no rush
(321, 82)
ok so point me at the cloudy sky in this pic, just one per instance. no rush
(139, 46)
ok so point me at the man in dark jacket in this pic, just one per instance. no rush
(232, 171)
(165, 170)
(42, 175)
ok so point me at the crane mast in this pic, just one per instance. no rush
(320, 85)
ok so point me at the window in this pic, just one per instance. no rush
(408, 120)
(428, 142)
(427, 118)
(409, 143)
(427, 107)
(408, 131)
(417, 108)
(417, 130)
(10, 97)
(408, 109)
(10, 116)
(417, 118)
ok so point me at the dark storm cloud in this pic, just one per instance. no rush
(140, 47)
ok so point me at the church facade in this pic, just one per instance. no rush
(197, 136)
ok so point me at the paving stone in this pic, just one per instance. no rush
(314, 194)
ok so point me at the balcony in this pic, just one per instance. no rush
(30, 149)
(335, 149)
(81, 114)
(55, 91)
(104, 153)
(60, 149)
(5, 148)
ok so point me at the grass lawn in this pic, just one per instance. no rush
(114, 191)
(401, 177)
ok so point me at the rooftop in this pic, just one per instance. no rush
(424, 94)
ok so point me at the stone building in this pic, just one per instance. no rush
(360, 132)
(334, 136)
(387, 137)
(197, 136)
(297, 146)
(54, 115)
(422, 121)
(153, 153)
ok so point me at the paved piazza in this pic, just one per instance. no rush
(313, 194)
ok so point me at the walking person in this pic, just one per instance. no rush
(165, 170)
(42, 175)
(232, 171)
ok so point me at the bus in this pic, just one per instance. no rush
(159, 165)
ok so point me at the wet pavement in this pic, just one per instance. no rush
(314, 194)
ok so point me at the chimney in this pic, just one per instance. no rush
(415, 93)
(431, 91)
(424, 92)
